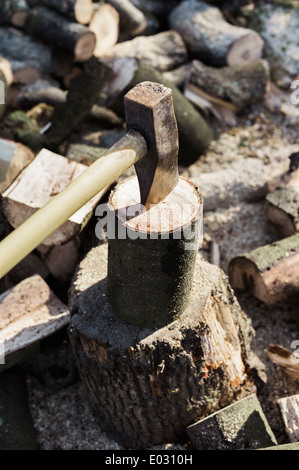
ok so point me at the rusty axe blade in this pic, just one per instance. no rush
(149, 110)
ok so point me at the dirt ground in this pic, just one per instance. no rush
(63, 418)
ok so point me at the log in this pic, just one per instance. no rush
(244, 180)
(4, 93)
(25, 130)
(240, 85)
(164, 51)
(156, 7)
(277, 25)
(31, 265)
(194, 133)
(77, 10)
(105, 26)
(13, 158)
(148, 384)
(287, 361)
(29, 312)
(29, 58)
(241, 425)
(132, 20)
(83, 93)
(210, 38)
(43, 178)
(157, 255)
(41, 91)
(289, 408)
(58, 31)
(178, 76)
(269, 272)
(61, 260)
(283, 208)
(6, 69)
(13, 12)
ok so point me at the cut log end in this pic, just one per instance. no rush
(18, 19)
(247, 48)
(83, 10)
(84, 47)
(105, 25)
(244, 275)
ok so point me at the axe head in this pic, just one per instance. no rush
(149, 110)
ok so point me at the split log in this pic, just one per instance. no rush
(283, 209)
(147, 385)
(77, 10)
(289, 408)
(241, 425)
(13, 12)
(6, 69)
(164, 51)
(29, 312)
(31, 265)
(83, 93)
(61, 260)
(43, 178)
(240, 85)
(29, 58)
(194, 133)
(244, 180)
(286, 360)
(132, 20)
(269, 272)
(13, 158)
(278, 25)
(105, 26)
(58, 31)
(210, 38)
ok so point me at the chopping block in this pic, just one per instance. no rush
(159, 337)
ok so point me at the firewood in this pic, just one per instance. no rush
(283, 209)
(210, 38)
(4, 93)
(288, 361)
(13, 12)
(58, 31)
(61, 259)
(241, 425)
(83, 93)
(41, 91)
(132, 20)
(31, 265)
(105, 26)
(240, 84)
(178, 76)
(29, 312)
(13, 158)
(278, 26)
(156, 7)
(45, 176)
(269, 272)
(77, 10)
(164, 51)
(194, 133)
(289, 408)
(25, 130)
(29, 58)
(6, 69)
(244, 180)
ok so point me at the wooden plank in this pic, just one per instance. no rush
(29, 312)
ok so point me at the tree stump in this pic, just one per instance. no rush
(148, 384)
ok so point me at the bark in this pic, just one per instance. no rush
(77, 10)
(60, 32)
(25, 130)
(269, 272)
(178, 76)
(210, 38)
(164, 51)
(13, 12)
(147, 385)
(105, 26)
(47, 175)
(241, 425)
(41, 91)
(283, 209)
(194, 133)
(241, 85)
(132, 20)
(13, 158)
(83, 93)
(156, 7)
(157, 255)
(278, 27)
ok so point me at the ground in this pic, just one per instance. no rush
(64, 419)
